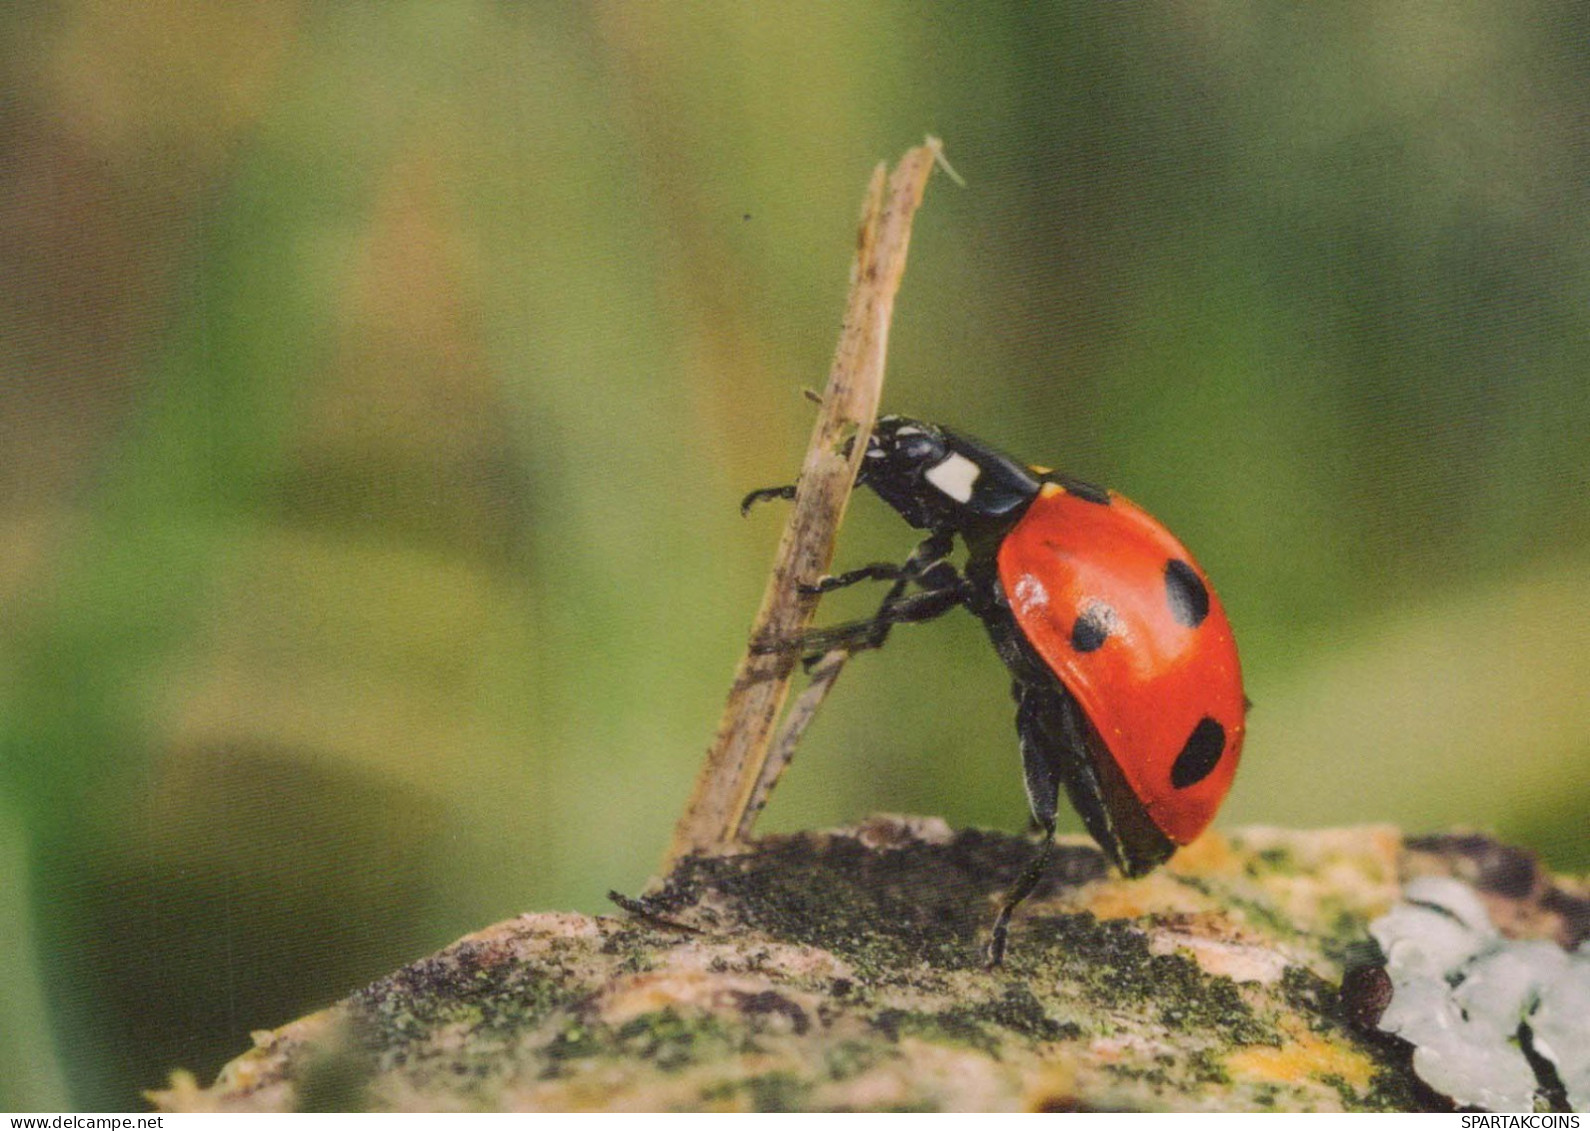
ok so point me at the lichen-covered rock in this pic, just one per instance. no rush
(843, 970)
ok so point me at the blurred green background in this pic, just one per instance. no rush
(377, 384)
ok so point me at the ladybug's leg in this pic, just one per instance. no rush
(1057, 750)
(858, 636)
(1036, 719)
(929, 552)
(926, 566)
(1024, 887)
(1035, 725)
(1059, 746)
(878, 571)
(942, 589)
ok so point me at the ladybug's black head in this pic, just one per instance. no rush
(941, 480)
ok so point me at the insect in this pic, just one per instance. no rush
(1124, 669)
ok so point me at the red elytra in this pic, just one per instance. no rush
(1153, 680)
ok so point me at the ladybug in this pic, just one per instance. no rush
(1124, 669)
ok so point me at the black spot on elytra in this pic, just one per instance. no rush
(1189, 600)
(1200, 755)
(1081, 488)
(1093, 627)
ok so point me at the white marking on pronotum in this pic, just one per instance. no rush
(955, 477)
(909, 430)
(1029, 594)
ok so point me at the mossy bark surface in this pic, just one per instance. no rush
(844, 970)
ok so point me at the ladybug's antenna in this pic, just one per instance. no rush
(764, 494)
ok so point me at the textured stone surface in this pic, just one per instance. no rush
(843, 970)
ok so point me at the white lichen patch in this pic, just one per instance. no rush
(1260, 962)
(894, 830)
(1469, 1001)
(1560, 1023)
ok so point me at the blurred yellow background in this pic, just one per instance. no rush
(378, 383)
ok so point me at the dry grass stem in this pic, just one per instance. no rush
(737, 774)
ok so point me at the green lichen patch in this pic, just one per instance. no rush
(772, 1091)
(1018, 1011)
(1314, 999)
(1395, 1088)
(949, 1026)
(878, 909)
(479, 987)
(849, 1058)
(1277, 859)
(1011, 1020)
(1111, 963)
(666, 1038)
